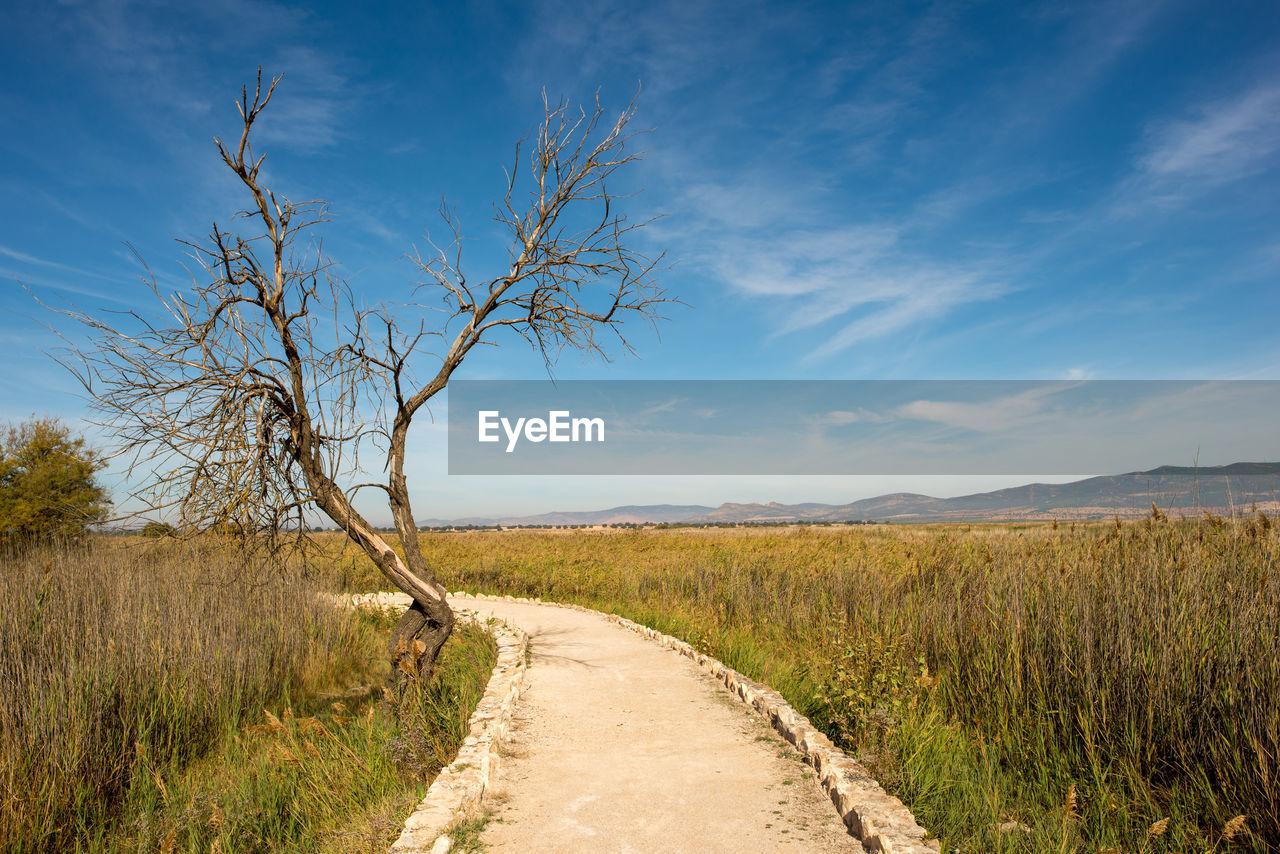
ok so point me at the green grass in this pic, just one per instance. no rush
(464, 835)
(340, 777)
(167, 698)
(1087, 681)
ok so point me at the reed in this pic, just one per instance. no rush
(134, 681)
(1076, 685)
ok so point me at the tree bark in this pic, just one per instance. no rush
(417, 639)
(429, 620)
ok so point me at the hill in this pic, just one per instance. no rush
(1180, 490)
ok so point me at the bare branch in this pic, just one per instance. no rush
(249, 401)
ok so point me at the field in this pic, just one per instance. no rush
(1100, 687)
(168, 698)
(1048, 687)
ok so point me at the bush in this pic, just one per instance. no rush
(47, 486)
(156, 530)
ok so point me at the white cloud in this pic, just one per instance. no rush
(1221, 141)
(26, 258)
(1228, 138)
(1003, 415)
(857, 272)
(917, 298)
(306, 111)
(843, 418)
(23, 278)
(802, 261)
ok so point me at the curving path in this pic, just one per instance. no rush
(620, 745)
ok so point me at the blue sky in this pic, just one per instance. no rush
(849, 191)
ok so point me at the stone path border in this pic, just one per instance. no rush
(458, 789)
(876, 818)
(880, 821)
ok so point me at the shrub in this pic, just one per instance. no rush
(47, 486)
(156, 530)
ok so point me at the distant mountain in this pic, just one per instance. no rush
(628, 513)
(1176, 489)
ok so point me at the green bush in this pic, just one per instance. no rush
(47, 486)
(156, 530)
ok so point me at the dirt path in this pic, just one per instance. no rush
(619, 745)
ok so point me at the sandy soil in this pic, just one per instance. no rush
(619, 745)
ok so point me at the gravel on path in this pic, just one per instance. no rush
(619, 745)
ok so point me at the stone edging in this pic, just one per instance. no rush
(458, 788)
(880, 821)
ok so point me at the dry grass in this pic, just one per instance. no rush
(137, 689)
(1089, 681)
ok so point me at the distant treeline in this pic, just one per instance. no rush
(161, 529)
(657, 526)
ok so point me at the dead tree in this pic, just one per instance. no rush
(255, 396)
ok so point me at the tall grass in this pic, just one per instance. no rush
(133, 683)
(1075, 686)
(333, 775)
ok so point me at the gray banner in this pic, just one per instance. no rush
(882, 427)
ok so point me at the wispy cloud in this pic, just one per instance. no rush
(805, 261)
(1226, 140)
(922, 298)
(778, 226)
(1003, 415)
(1094, 38)
(169, 56)
(80, 217)
(886, 88)
(409, 146)
(1221, 141)
(368, 222)
(857, 282)
(844, 418)
(306, 113)
(26, 258)
(663, 44)
(79, 289)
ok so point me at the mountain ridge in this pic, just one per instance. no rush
(1180, 489)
